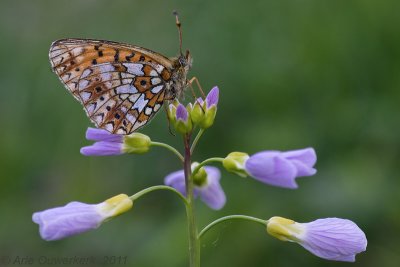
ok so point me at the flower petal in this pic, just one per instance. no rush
(271, 168)
(334, 239)
(72, 219)
(212, 97)
(200, 101)
(212, 194)
(304, 159)
(181, 113)
(176, 180)
(302, 169)
(102, 135)
(103, 148)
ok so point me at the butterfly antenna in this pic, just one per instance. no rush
(179, 25)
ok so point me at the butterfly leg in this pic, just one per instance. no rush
(166, 107)
(194, 95)
(194, 79)
(192, 90)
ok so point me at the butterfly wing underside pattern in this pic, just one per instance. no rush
(120, 86)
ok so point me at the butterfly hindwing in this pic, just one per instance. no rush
(121, 87)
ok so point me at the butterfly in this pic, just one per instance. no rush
(120, 86)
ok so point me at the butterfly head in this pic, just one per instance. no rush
(185, 61)
(182, 64)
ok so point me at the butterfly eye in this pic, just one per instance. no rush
(182, 61)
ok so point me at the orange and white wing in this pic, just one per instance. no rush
(120, 86)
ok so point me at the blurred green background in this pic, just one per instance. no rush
(292, 74)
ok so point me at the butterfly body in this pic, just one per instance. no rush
(121, 86)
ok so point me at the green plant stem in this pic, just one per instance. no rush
(232, 217)
(145, 191)
(205, 162)
(196, 140)
(170, 148)
(194, 244)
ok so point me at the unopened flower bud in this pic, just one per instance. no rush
(197, 111)
(200, 177)
(171, 111)
(210, 108)
(183, 123)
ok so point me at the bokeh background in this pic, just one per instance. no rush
(292, 74)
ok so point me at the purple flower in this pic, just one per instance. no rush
(330, 238)
(281, 168)
(77, 217)
(273, 167)
(207, 186)
(108, 144)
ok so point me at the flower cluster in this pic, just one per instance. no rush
(201, 113)
(330, 238)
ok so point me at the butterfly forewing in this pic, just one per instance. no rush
(120, 86)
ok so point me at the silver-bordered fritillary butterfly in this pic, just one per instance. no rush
(120, 86)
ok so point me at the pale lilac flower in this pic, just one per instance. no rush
(273, 167)
(281, 168)
(209, 190)
(330, 238)
(108, 144)
(77, 217)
